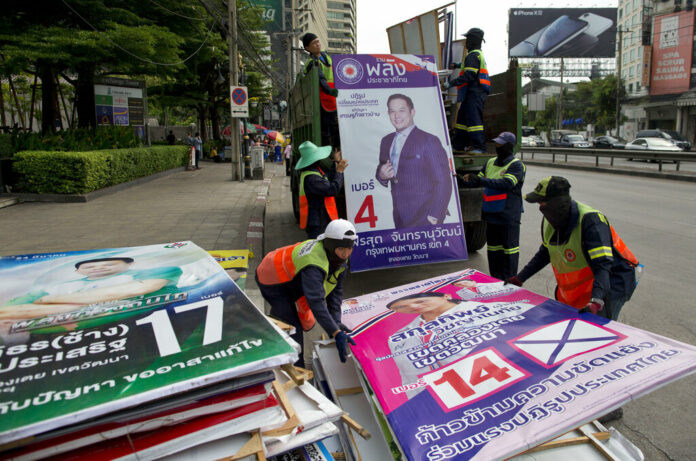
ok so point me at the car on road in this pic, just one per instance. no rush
(538, 140)
(573, 140)
(607, 142)
(652, 144)
(528, 141)
(670, 135)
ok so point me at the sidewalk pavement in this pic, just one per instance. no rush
(204, 206)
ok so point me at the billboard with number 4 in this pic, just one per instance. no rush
(401, 192)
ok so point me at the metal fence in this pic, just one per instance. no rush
(558, 153)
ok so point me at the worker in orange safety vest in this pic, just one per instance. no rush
(594, 269)
(327, 90)
(303, 283)
(321, 179)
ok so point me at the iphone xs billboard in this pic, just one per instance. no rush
(562, 32)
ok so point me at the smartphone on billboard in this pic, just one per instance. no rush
(596, 25)
(558, 33)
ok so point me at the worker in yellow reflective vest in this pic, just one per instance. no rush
(327, 90)
(473, 87)
(303, 283)
(594, 269)
(321, 179)
(502, 178)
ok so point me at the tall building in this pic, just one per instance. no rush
(634, 19)
(657, 67)
(333, 21)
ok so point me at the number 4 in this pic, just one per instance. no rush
(368, 206)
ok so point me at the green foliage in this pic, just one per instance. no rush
(78, 140)
(6, 148)
(53, 172)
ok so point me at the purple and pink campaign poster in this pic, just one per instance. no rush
(401, 191)
(465, 367)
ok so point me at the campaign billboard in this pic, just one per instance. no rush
(673, 38)
(467, 367)
(401, 190)
(562, 32)
(86, 333)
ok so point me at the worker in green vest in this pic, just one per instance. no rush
(321, 180)
(502, 178)
(327, 90)
(303, 283)
(594, 269)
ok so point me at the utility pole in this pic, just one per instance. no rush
(618, 80)
(234, 80)
(560, 101)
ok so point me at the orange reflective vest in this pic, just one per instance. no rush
(328, 102)
(281, 265)
(329, 202)
(482, 71)
(570, 266)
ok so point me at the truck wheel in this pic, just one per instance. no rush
(475, 235)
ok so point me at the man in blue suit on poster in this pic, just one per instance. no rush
(416, 165)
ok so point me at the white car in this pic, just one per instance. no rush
(528, 141)
(658, 144)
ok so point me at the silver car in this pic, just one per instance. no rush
(658, 144)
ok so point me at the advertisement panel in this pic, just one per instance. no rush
(401, 191)
(121, 102)
(562, 32)
(466, 367)
(673, 38)
(86, 333)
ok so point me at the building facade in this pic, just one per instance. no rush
(657, 66)
(333, 21)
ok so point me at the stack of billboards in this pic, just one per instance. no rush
(462, 366)
(136, 352)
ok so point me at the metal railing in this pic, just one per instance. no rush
(649, 156)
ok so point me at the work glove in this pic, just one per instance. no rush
(333, 92)
(342, 340)
(515, 280)
(344, 328)
(592, 307)
(446, 85)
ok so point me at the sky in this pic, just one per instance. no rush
(375, 16)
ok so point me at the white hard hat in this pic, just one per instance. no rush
(339, 229)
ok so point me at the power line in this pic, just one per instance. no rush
(139, 57)
(178, 14)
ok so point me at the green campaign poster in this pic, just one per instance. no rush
(86, 333)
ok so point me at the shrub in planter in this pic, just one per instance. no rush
(55, 172)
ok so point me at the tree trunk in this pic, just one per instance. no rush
(20, 112)
(84, 96)
(49, 111)
(33, 100)
(3, 121)
(203, 122)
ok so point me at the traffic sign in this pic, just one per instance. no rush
(239, 101)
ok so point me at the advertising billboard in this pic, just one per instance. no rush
(671, 61)
(562, 32)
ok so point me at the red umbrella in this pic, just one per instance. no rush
(276, 135)
(260, 127)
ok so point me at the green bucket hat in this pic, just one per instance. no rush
(310, 153)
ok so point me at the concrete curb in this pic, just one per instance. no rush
(81, 198)
(677, 176)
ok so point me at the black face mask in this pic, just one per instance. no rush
(473, 43)
(325, 164)
(330, 246)
(504, 150)
(557, 211)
